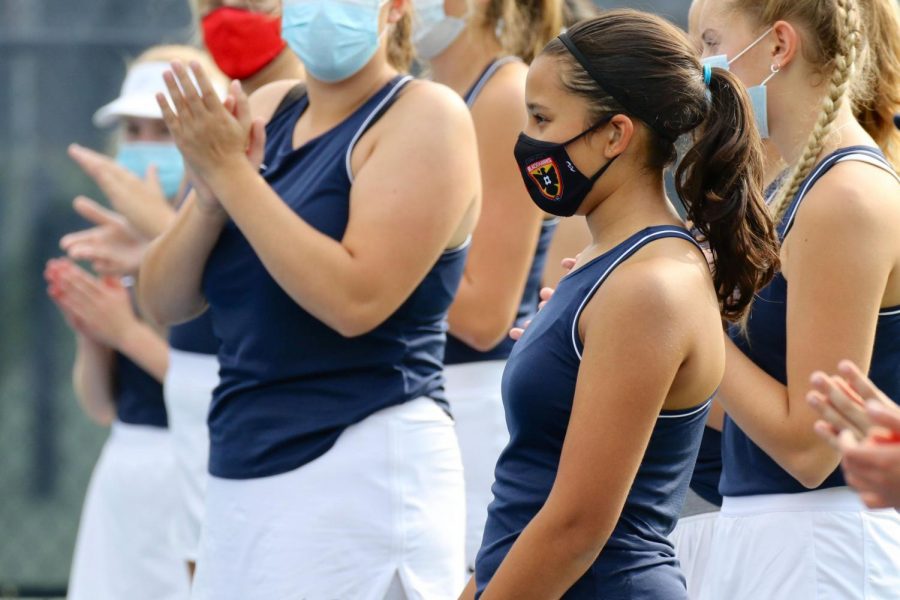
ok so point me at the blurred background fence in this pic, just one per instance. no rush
(59, 61)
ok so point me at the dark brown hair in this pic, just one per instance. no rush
(651, 72)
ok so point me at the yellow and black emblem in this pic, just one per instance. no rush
(545, 174)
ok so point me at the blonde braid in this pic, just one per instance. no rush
(850, 36)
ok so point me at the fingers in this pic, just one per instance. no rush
(242, 105)
(94, 212)
(833, 418)
(828, 432)
(257, 150)
(87, 159)
(168, 114)
(210, 98)
(568, 263)
(188, 90)
(843, 401)
(884, 416)
(516, 333)
(860, 382)
(546, 293)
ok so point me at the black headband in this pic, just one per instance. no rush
(618, 94)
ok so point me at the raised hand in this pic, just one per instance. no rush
(100, 308)
(209, 135)
(113, 247)
(141, 201)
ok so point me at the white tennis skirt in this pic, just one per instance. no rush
(380, 515)
(693, 539)
(190, 381)
(473, 391)
(819, 545)
(123, 548)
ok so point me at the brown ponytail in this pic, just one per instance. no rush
(719, 181)
(658, 80)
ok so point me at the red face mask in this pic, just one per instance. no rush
(242, 42)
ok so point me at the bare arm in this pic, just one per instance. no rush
(571, 529)
(836, 285)
(92, 378)
(396, 231)
(504, 241)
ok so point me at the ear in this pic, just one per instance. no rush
(787, 44)
(616, 136)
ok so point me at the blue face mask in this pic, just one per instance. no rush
(334, 39)
(434, 30)
(758, 94)
(138, 156)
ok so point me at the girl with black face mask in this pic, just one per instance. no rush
(608, 390)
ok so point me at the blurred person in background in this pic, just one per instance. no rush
(825, 82)
(481, 50)
(124, 547)
(335, 471)
(118, 242)
(144, 208)
(244, 39)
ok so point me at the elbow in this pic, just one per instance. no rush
(813, 465)
(585, 533)
(355, 320)
(482, 332)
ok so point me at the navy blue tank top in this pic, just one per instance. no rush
(748, 470)
(458, 352)
(289, 383)
(539, 382)
(138, 396)
(195, 336)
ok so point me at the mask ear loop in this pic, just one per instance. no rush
(775, 69)
(752, 44)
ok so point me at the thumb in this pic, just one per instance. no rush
(94, 212)
(257, 150)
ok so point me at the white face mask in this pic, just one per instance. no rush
(434, 30)
(758, 94)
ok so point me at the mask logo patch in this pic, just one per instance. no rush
(545, 174)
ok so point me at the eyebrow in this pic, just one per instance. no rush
(534, 106)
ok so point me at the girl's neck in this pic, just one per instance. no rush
(331, 103)
(791, 134)
(635, 204)
(462, 62)
(285, 66)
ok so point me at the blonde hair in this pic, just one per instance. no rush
(834, 46)
(876, 92)
(400, 51)
(526, 26)
(186, 54)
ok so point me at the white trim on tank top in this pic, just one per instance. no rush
(362, 129)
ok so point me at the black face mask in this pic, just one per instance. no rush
(553, 181)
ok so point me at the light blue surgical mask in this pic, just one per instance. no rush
(334, 39)
(434, 30)
(138, 156)
(758, 94)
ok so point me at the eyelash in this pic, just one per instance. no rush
(538, 119)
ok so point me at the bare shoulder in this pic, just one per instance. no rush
(660, 285)
(501, 104)
(430, 105)
(852, 198)
(266, 99)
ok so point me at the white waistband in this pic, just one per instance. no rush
(193, 357)
(831, 499)
(138, 434)
(474, 374)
